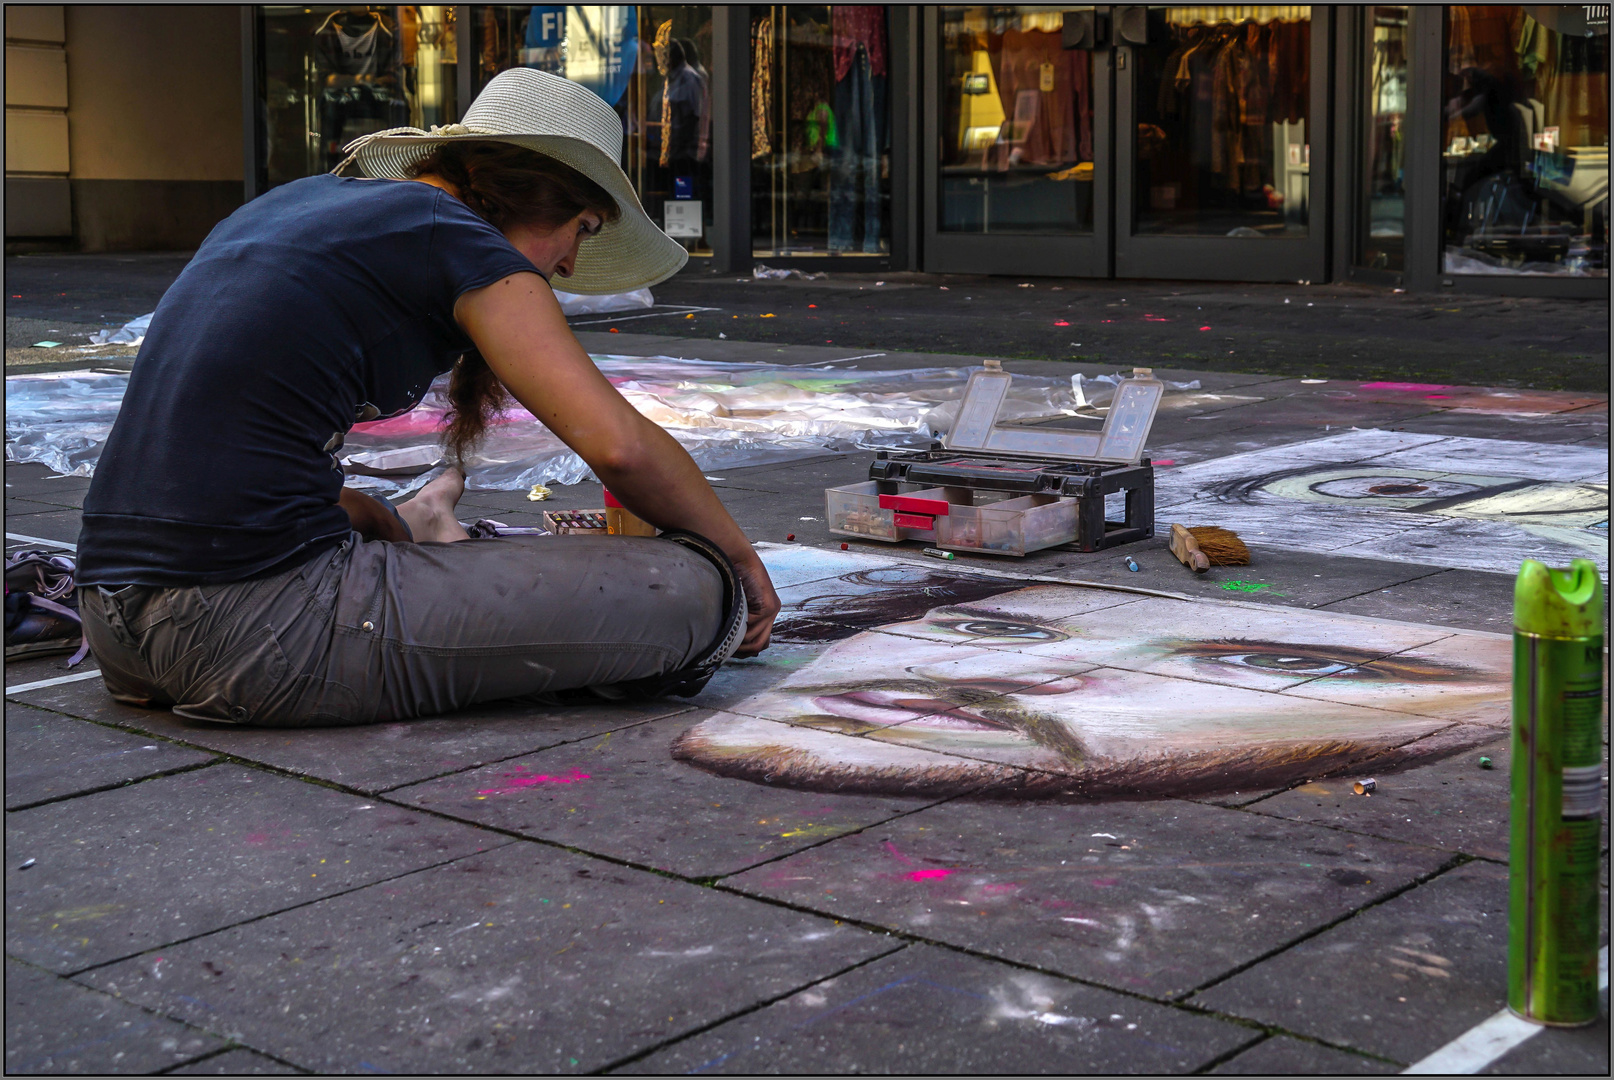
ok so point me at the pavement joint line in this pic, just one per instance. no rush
(1433, 571)
(536, 750)
(640, 1055)
(646, 315)
(1229, 1055)
(1190, 1007)
(40, 539)
(177, 770)
(1457, 860)
(249, 920)
(142, 1008)
(1488, 1041)
(229, 1046)
(77, 676)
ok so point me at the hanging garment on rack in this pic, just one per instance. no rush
(1289, 58)
(854, 25)
(860, 112)
(1573, 86)
(761, 85)
(355, 47)
(811, 85)
(1046, 92)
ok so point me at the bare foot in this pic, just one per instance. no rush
(430, 513)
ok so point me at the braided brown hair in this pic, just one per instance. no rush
(506, 186)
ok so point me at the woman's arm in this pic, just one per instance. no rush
(519, 329)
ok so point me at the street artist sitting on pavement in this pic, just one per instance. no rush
(226, 572)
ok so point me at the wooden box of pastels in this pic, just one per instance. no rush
(1008, 488)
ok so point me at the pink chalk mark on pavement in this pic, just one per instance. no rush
(519, 782)
(929, 875)
(1404, 386)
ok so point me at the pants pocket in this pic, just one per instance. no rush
(310, 701)
(240, 683)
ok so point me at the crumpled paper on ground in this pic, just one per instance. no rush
(727, 415)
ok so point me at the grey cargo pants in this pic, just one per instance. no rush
(372, 631)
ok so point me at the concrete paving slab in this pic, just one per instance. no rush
(1558, 1052)
(51, 757)
(52, 525)
(375, 757)
(524, 959)
(1275, 575)
(236, 1063)
(1468, 599)
(245, 844)
(1399, 981)
(1283, 1055)
(1559, 428)
(1455, 804)
(623, 796)
(804, 481)
(21, 508)
(31, 478)
(56, 494)
(929, 1011)
(54, 1025)
(1149, 897)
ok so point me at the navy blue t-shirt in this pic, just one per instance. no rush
(323, 303)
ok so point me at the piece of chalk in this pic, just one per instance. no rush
(26, 865)
(1485, 763)
(1132, 564)
(846, 547)
(939, 553)
(790, 536)
(1365, 787)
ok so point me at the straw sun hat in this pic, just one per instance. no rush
(570, 123)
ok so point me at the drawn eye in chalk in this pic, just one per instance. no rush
(1289, 664)
(1000, 630)
(1391, 487)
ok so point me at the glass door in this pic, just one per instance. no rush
(1221, 132)
(1018, 178)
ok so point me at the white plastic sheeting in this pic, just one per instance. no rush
(726, 415)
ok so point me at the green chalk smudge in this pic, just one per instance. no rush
(1245, 586)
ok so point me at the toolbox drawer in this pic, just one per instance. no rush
(949, 517)
(1009, 527)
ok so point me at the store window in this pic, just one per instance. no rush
(1016, 134)
(651, 64)
(1382, 208)
(1525, 151)
(1223, 108)
(820, 130)
(332, 74)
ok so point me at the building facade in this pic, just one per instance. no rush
(1428, 147)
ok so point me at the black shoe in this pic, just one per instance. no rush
(39, 627)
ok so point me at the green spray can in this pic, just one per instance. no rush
(1557, 802)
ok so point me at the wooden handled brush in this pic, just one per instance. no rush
(1205, 546)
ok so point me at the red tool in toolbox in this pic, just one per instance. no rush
(1010, 487)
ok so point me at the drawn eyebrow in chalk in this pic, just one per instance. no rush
(1316, 661)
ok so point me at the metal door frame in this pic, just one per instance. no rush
(1219, 258)
(1016, 253)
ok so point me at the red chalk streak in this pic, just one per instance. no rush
(518, 782)
(1404, 386)
(1061, 322)
(1437, 397)
(1168, 461)
(1204, 328)
(928, 875)
(897, 855)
